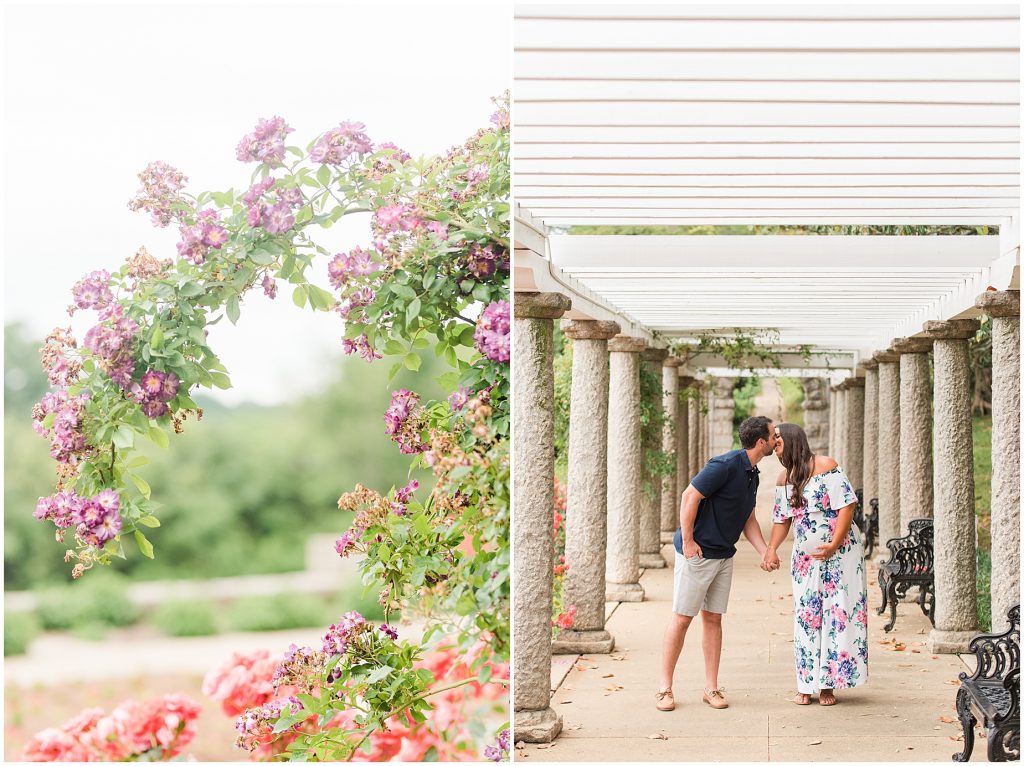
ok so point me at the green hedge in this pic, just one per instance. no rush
(186, 618)
(19, 630)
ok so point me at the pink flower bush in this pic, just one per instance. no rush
(265, 143)
(492, 332)
(157, 729)
(338, 144)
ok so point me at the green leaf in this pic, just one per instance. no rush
(141, 483)
(412, 361)
(156, 340)
(220, 380)
(159, 437)
(403, 291)
(261, 257)
(232, 309)
(190, 289)
(319, 298)
(299, 296)
(393, 348)
(413, 310)
(138, 462)
(149, 521)
(145, 546)
(382, 672)
(123, 437)
(323, 175)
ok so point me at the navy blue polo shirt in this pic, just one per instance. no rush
(729, 485)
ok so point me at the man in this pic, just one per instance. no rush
(716, 507)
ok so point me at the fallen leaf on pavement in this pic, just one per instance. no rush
(945, 719)
(565, 702)
(656, 736)
(953, 682)
(608, 675)
(899, 647)
(814, 742)
(958, 738)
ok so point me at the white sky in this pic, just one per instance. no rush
(93, 93)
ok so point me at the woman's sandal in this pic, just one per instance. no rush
(827, 701)
(802, 699)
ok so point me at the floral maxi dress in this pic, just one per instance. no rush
(830, 609)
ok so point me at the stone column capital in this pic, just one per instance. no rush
(999, 303)
(540, 305)
(673, 361)
(853, 383)
(869, 364)
(654, 354)
(912, 345)
(627, 344)
(590, 329)
(953, 329)
(687, 381)
(885, 355)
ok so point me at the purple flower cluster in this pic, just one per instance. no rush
(458, 398)
(68, 439)
(473, 177)
(154, 391)
(338, 144)
(492, 332)
(265, 143)
(400, 504)
(269, 287)
(256, 722)
(400, 422)
(482, 262)
(344, 544)
(360, 345)
(388, 631)
(159, 193)
(96, 519)
(93, 290)
(397, 217)
(272, 212)
(112, 341)
(357, 263)
(339, 635)
(364, 296)
(396, 152)
(438, 229)
(500, 749)
(200, 237)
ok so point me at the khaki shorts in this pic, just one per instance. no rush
(701, 584)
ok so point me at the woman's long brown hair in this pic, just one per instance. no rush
(797, 459)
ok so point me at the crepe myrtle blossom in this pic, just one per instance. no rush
(356, 263)
(338, 144)
(499, 749)
(96, 519)
(458, 398)
(397, 217)
(199, 238)
(399, 504)
(340, 634)
(492, 332)
(269, 286)
(112, 340)
(93, 290)
(265, 143)
(68, 440)
(154, 391)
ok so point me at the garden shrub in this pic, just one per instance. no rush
(186, 618)
(19, 630)
(279, 612)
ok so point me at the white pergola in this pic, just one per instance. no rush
(804, 115)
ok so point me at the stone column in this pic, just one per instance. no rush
(956, 619)
(870, 432)
(650, 495)
(721, 418)
(622, 572)
(533, 500)
(673, 440)
(915, 430)
(816, 414)
(853, 448)
(841, 429)
(586, 516)
(693, 410)
(1004, 308)
(833, 421)
(888, 449)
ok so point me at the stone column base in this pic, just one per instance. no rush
(950, 641)
(583, 642)
(666, 537)
(537, 725)
(623, 591)
(652, 561)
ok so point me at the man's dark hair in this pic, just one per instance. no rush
(753, 429)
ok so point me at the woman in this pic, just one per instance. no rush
(829, 586)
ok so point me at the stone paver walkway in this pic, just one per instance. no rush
(904, 713)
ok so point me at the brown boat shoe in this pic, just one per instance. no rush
(665, 701)
(716, 698)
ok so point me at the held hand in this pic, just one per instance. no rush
(692, 550)
(824, 552)
(770, 561)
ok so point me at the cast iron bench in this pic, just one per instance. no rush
(911, 562)
(868, 523)
(992, 693)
